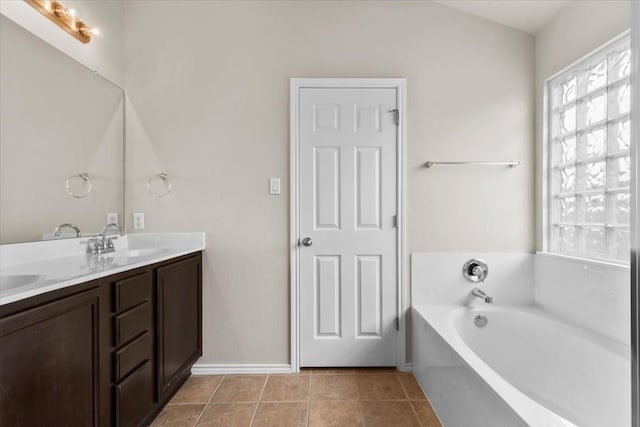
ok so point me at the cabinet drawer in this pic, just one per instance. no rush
(131, 323)
(134, 397)
(131, 291)
(131, 355)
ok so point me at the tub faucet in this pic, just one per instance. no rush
(480, 294)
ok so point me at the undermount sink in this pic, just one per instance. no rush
(14, 281)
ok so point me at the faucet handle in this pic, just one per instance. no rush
(475, 270)
(109, 242)
(93, 246)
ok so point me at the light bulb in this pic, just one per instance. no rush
(72, 12)
(95, 31)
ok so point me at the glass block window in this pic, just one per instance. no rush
(589, 199)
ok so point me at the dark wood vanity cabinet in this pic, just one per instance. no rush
(54, 360)
(107, 352)
(179, 321)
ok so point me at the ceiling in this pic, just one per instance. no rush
(524, 15)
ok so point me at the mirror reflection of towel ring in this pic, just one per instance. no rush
(79, 186)
(159, 185)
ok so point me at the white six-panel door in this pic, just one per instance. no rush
(347, 196)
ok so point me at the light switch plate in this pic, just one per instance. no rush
(138, 220)
(274, 185)
(112, 218)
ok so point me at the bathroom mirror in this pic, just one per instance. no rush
(61, 141)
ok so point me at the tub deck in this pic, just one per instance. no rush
(524, 368)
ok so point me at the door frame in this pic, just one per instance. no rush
(400, 85)
(635, 215)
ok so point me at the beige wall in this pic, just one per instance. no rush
(576, 31)
(208, 104)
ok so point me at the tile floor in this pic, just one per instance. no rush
(315, 397)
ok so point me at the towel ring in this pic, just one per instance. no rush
(81, 180)
(159, 185)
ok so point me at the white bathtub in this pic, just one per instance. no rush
(523, 368)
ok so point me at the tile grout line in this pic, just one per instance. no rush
(359, 403)
(309, 400)
(255, 411)
(403, 388)
(245, 402)
(209, 401)
(413, 408)
(361, 410)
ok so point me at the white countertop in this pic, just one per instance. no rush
(30, 269)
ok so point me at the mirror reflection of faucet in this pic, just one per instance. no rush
(59, 228)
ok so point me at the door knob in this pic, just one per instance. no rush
(307, 241)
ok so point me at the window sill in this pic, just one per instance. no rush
(587, 261)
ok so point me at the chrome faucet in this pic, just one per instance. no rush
(480, 294)
(75, 228)
(104, 244)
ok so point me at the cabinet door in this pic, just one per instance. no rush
(134, 397)
(179, 320)
(52, 365)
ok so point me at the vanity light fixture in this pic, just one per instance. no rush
(64, 18)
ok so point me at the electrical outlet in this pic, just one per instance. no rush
(112, 218)
(138, 220)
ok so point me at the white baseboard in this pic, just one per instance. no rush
(206, 369)
(222, 369)
(407, 367)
